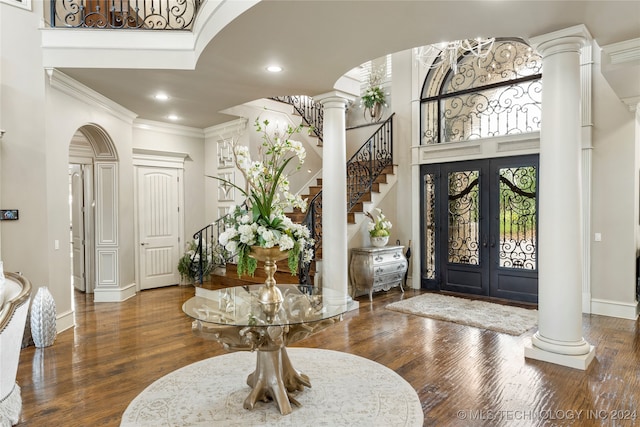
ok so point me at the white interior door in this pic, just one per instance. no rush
(158, 228)
(77, 227)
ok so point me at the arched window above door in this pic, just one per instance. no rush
(496, 95)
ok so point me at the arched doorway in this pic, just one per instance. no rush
(93, 201)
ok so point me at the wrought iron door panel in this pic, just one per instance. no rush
(429, 226)
(464, 264)
(514, 244)
(463, 215)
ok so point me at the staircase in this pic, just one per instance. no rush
(358, 207)
(369, 168)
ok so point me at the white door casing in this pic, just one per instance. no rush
(89, 229)
(159, 231)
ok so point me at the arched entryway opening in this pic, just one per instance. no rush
(93, 202)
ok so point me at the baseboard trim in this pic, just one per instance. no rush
(114, 294)
(65, 321)
(611, 308)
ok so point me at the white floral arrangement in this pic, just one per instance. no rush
(262, 220)
(379, 226)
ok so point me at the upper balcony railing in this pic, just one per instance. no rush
(125, 14)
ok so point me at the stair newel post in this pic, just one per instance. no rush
(200, 257)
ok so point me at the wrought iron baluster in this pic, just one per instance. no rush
(130, 14)
(310, 111)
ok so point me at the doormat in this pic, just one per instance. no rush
(480, 314)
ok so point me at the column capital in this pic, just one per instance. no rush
(573, 37)
(335, 99)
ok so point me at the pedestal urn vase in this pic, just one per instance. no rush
(269, 295)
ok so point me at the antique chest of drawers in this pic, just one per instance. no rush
(374, 269)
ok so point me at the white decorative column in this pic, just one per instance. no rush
(559, 337)
(334, 197)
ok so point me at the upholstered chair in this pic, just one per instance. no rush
(15, 294)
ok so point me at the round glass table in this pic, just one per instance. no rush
(235, 318)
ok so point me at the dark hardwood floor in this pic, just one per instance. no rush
(464, 376)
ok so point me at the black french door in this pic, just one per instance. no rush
(479, 227)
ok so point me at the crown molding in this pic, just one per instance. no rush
(623, 52)
(621, 68)
(168, 128)
(62, 82)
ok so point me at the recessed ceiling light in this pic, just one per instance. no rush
(161, 96)
(274, 68)
(173, 117)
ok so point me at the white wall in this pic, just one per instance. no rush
(26, 244)
(614, 199)
(403, 64)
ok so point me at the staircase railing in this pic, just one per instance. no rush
(129, 14)
(209, 254)
(310, 111)
(363, 168)
(366, 165)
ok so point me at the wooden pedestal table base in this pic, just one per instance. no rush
(235, 318)
(274, 378)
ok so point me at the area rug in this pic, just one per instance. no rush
(480, 314)
(346, 390)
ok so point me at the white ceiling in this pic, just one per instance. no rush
(315, 41)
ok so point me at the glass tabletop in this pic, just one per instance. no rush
(239, 306)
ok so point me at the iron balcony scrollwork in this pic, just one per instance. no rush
(125, 14)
